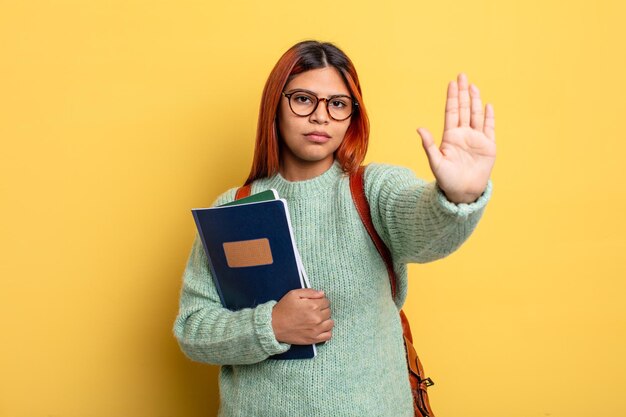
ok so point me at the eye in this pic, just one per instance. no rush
(339, 103)
(301, 98)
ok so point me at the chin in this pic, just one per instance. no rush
(317, 158)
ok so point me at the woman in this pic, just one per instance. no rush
(312, 131)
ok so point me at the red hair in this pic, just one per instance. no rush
(301, 57)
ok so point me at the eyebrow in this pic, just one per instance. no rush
(314, 93)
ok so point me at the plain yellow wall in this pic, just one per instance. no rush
(117, 117)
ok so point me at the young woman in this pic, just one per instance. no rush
(313, 131)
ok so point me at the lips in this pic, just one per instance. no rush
(318, 136)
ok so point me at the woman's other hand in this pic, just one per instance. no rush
(302, 317)
(463, 162)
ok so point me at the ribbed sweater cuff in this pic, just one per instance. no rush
(265, 332)
(463, 210)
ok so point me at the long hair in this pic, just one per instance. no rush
(301, 57)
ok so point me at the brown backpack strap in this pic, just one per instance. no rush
(357, 188)
(419, 384)
(243, 191)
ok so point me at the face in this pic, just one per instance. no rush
(309, 142)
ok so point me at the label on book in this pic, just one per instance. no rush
(244, 253)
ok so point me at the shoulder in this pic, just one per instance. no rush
(377, 170)
(229, 195)
(226, 197)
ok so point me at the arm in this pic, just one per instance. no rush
(423, 222)
(414, 218)
(208, 332)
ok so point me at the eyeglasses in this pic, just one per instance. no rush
(303, 103)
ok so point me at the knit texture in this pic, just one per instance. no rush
(361, 370)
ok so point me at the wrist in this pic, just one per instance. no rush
(276, 324)
(461, 198)
(265, 331)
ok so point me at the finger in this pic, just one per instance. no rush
(324, 315)
(322, 328)
(326, 326)
(308, 293)
(432, 151)
(321, 303)
(452, 106)
(323, 337)
(464, 101)
(477, 108)
(490, 123)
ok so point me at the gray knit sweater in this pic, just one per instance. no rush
(362, 370)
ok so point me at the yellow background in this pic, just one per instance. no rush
(117, 117)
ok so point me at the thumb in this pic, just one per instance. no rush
(432, 151)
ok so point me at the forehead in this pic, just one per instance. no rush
(322, 81)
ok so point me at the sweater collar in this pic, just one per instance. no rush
(299, 189)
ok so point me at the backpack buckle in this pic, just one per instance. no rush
(427, 382)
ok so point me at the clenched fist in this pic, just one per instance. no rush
(302, 317)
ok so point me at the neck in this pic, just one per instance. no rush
(304, 170)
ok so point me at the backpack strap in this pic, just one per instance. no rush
(357, 188)
(419, 383)
(243, 191)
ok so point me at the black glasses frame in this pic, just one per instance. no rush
(355, 104)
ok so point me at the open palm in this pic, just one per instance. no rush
(463, 162)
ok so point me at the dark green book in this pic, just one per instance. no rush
(266, 195)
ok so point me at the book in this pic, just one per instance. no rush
(266, 195)
(252, 255)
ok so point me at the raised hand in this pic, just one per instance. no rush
(463, 162)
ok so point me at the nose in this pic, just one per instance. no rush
(320, 115)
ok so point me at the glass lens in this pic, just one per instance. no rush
(340, 107)
(302, 103)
